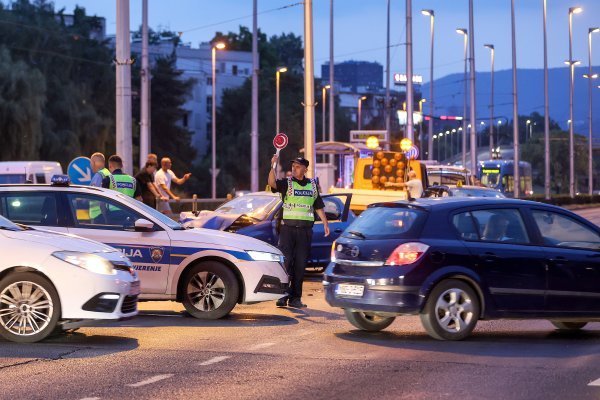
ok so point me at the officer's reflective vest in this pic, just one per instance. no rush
(299, 200)
(123, 183)
(95, 210)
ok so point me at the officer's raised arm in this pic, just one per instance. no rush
(272, 179)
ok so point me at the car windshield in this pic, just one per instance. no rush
(255, 206)
(387, 223)
(154, 213)
(458, 192)
(7, 225)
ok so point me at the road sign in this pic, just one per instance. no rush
(413, 153)
(80, 171)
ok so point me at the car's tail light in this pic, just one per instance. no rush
(333, 251)
(407, 253)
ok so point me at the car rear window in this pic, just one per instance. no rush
(387, 222)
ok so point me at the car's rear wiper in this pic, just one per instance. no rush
(360, 235)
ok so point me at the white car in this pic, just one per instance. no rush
(51, 282)
(208, 271)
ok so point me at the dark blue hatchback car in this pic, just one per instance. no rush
(454, 261)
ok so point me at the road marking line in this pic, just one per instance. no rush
(151, 380)
(215, 360)
(261, 346)
(595, 383)
(91, 398)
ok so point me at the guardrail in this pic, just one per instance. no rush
(193, 204)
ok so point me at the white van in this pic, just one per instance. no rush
(28, 171)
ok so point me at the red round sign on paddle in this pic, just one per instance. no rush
(279, 141)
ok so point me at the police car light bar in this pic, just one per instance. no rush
(60, 180)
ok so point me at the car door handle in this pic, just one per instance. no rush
(490, 257)
(338, 230)
(558, 261)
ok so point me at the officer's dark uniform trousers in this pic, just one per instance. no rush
(295, 241)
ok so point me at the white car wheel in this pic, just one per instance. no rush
(29, 307)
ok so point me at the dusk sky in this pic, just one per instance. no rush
(360, 28)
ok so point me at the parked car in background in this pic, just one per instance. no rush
(258, 215)
(50, 282)
(461, 191)
(457, 260)
(208, 272)
(28, 171)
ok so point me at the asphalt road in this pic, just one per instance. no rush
(263, 352)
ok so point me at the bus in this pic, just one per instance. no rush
(499, 175)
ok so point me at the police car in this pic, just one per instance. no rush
(208, 271)
(50, 282)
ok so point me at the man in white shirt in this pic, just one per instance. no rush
(413, 185)
(163, 178)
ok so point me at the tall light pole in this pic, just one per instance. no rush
(123, 86)
(331, 83)
(492, 54)
(309, 89)
(213, 171)
(546, 112)
(590, 76)
(409, 74)
(516, 158)
(254, 112)
(473, 104)
(464, 32)
(571, 63)
(324, 100)
(431, 15)
(279, 71)
(386, 107)
(359, 115)
(145, 90)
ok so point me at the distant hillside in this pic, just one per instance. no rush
(449, 95)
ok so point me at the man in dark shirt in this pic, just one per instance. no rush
(145, 181)
(301, 200)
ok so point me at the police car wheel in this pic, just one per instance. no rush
(29, 307)
(210, 291)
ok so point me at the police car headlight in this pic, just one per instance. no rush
(264, 256)
(91, 262)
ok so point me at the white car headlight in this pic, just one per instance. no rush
(264, 256)
(91, 262)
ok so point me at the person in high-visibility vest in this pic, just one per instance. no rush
(301, 200)
(120, 181)
(98, 169)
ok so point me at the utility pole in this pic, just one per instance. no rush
(386, 106)
(546, 114)
(331, 83)
(145, 139)
(254, 117)
(309, 90)
(123, 87)
(516, 158)
(472, 79)
(409, 74)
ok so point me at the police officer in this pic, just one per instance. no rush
(120, 181)
(301, 199)
(98, 168)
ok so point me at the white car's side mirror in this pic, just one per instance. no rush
(143, 225)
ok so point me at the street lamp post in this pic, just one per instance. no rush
(527, 130)
(516, 156)
(473, 105)
(571, 63)
(546, 112)
(431, 15)
(492, 53)
(324, 98)
(590, 76)
(359, 116)
(279, 71)
(464, 32)
(213, 172)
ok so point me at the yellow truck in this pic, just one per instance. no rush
(370, 176)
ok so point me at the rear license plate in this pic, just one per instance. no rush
(134, 289)
(349, 290)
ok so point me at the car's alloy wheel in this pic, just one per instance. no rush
(211, 290)
(568, 326)
(367, 321)
(29, 307)
(451, 311)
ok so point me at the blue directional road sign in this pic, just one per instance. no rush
(80, 171)
(413, 153)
